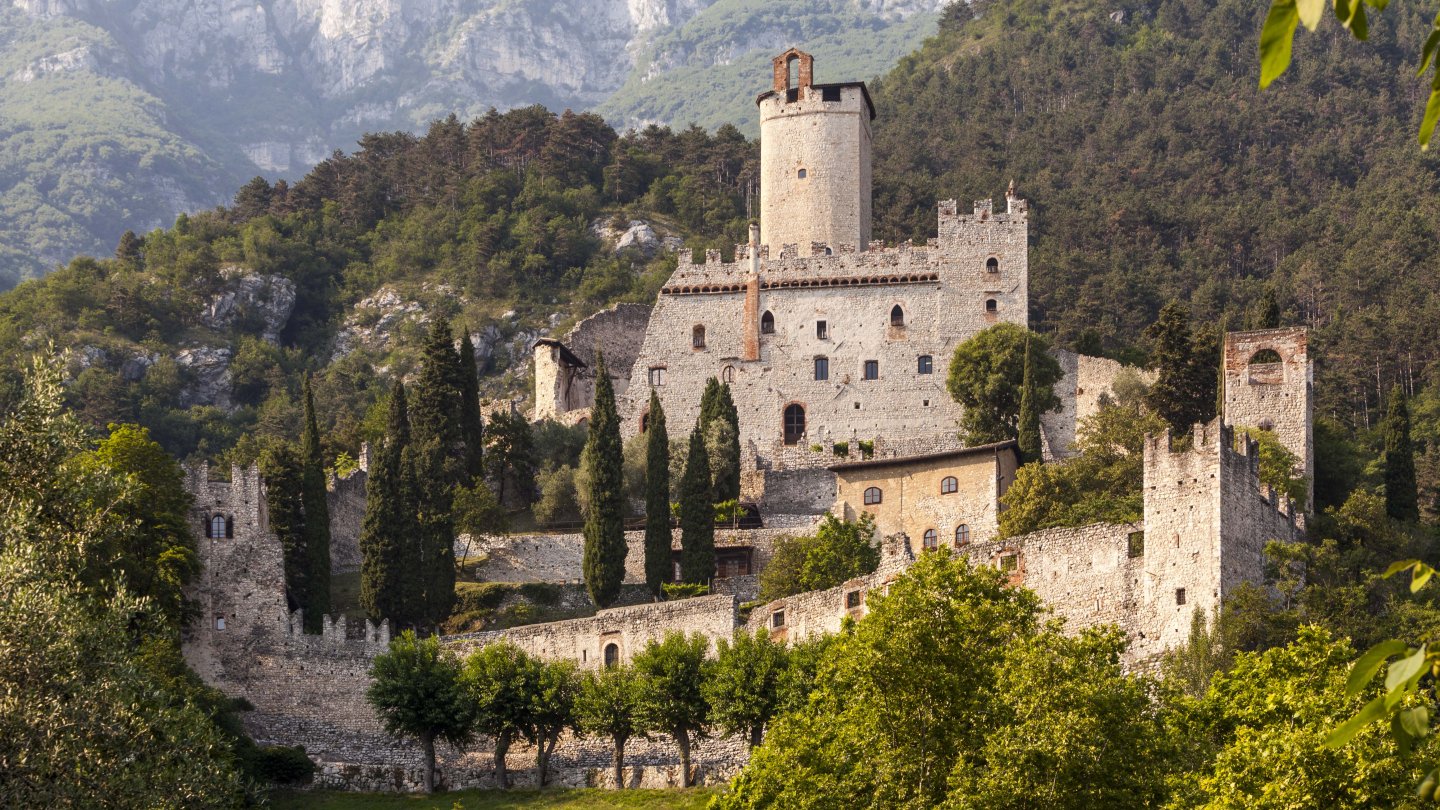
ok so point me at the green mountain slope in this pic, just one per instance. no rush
(83, 149)
(708, 71)
(1156, 169)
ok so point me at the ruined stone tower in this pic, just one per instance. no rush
(1268, 382)
(814, 159)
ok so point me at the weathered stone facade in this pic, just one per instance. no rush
(565, 371)
(1273, 395)
(1079, 391)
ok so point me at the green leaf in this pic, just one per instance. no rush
(1430, 43)
(1371, 712)
(1432, 112)
(1418, 580)
(1310, 12)
(1416, 721)
(1275, 40)
(1365, 668)
(1405, 669)
(1397, 567)
(1357, 23)
(1426, 790)
(1403, 740)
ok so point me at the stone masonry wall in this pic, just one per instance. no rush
(798, 617)
(1278, 394)
(1086, 378)
(941, 289)
(346, 500)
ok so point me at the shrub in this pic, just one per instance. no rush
(476, 596)
(684, 590)
(541, 593)
(841, 449)
(280, 765)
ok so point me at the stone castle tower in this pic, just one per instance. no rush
(1269, 380)
(814, 159)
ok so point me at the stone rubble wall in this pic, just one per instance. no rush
(1282, 393)
(821, 612)
(1086, 378)
(346, 500)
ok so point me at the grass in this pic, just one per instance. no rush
(521, 799)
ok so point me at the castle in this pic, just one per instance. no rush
(835, 347)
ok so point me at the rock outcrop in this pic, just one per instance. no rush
(208, 371)
(263, 302)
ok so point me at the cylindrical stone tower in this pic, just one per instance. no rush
(814, 160)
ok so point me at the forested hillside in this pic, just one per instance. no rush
(1155, 169)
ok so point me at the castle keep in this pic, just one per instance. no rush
(835, 348)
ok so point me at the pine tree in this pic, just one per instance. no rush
(1184, 389)
(604, 563)
(697, 515)
(657, 498)
(1029, 413)
(314, 496)
(510, 455)
(1402, 501)
(472, 426)
(1267, 314)
(284, 477)
(389, 525)
(1220, 368)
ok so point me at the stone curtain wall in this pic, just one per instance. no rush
(1279, 392)
(346, 500)
(941, 288)
(619, 332)
(821, 612)
(1086, 378)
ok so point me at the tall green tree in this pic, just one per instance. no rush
(604, 562)
(720, 425)
(510, 456)
(987, 377)
(284, 484)
(500, 681)
(608, 705)
(1220, 367)
(435, 518)
(317, 519)
(1267, 311)
(1402, 501)
(417, 692)
(697, 515)
(388, 533)
(433, 412)
(658, 565)
(744, 684)
(552, 710)
(472, 425)
(1184, 389)
(1029, 423)
(672, 691)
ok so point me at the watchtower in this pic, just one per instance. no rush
(814, 159)
(1268, 383)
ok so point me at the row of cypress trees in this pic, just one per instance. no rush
(299, 511)
(434, 444)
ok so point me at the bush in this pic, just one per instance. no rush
(684, 590)
(841, 449)
(541, 593)
(476, 596)
(280, 765)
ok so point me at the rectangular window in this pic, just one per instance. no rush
(822, 368)
(219, 622)
(1179, 596)
(822, 332)
(657, 377)
(926, 364)
(872, 369)
(829, 94)
(777, 619)
(1137, 544)
(1009, 563)
(852, 600)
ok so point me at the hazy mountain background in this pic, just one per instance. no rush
(120, 115)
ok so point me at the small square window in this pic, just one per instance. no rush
(1010, 563)
(219, 622)
(857, 406)
(777, 619)
(801, 175)
(657, 377)
(852, 600)
(872, 369)
(829, 94)
(927, 403)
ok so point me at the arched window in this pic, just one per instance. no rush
(897, 316)
(697, 337)
(612, 655)
(217, 526)
(991, 305)
(962, 535)
(992, 265)
(822, 368)
(872, 496)
(949, 485)
(1265, 356)
(801, 174)
(727, 374)
(926, 364)
(1265, 423)
(932, 540)
(794, 423)
(644, 421)
(767, 323)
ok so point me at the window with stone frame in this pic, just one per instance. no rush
(926, 364)
(657, 376)
(897, 316)
(767, 323)
(219, 622)
(991, 305)
(962, 535)
(612, 655)
(1179, 596)
(1009, 563)
(777, 619)
(822, 368)
(949, 484)
(873, 495)
(853, 600)
(992, 265)
(872, 369)
(932, 540)
(794, 423)
(697, 337)
(822, 330)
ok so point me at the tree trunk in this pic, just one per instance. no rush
(502, 747)
(427, 742)
(682, 737)
(757, 735)
(620, 762)
(543, 752)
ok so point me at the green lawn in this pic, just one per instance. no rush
(550, 799)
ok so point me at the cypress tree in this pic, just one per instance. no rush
(284, 477)
(435, 563)
(472, 425)
(729, 489)
(1267, 315)
(1220, 368)
(697, 514)
(389, 525)
(433, 415)
(604, 563)
(1402, 501)
(1029, 427)
(317, 518)
(657, 498)
(709, 403)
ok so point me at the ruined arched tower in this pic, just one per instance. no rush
(814, 160)
(1268, 381)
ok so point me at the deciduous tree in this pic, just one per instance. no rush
(744, 684)
(672, 691)
(608, 704)
(500, 680)
(987, 377)
(416, 691)
(552, 710)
